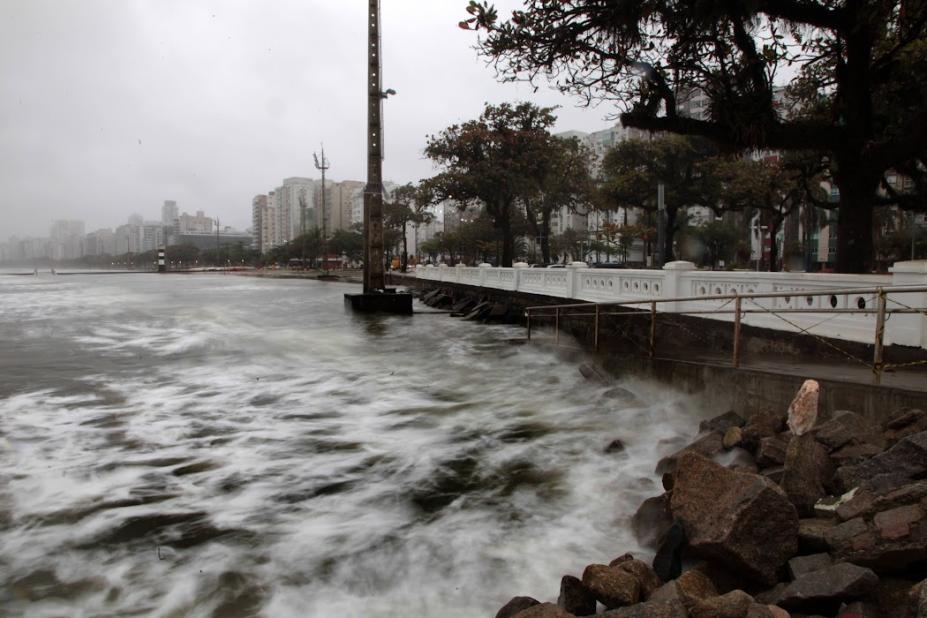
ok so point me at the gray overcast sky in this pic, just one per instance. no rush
(109, 107)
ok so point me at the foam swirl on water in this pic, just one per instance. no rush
(219, 445)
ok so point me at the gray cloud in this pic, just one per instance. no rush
(109, 107)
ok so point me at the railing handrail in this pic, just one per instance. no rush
(882, 293)
(888, 289)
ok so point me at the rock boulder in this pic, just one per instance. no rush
(806, 470)
(611, 586)
(803, 411)
(574, 597)
(823, 590)
(742, 520)
(515, 605)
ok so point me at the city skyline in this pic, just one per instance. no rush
(108, 109)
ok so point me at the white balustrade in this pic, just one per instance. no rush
(682, 280)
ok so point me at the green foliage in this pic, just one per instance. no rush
(715, 241)
(685, 166)
(854, 71)
(493, 161)
(349, 243)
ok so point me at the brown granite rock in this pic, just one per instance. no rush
(611, 586)
(651, 520)
(734, 604)
(847, 428)
(574, 597)
(823, 590)
(732, 437)
(646, 576)
(515, 605)
(799, 565)
(762, 425)
(650, 609)
(708, 444)
(806, 470)
(771, 452)
(742, 520)
(889, 532)
(544, 610)
(723, 422)
(689, 588)
(904, 423)
(812, 534)
(906, 460)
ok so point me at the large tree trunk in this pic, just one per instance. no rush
(508, 242)
(774, 226)
(854, 222)
(404, 262)
(669, 234)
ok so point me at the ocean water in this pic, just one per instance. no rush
(219, 445)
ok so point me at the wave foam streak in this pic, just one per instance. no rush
(220, 445)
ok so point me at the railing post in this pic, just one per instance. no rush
(595, 335)
(557, 326)
(653, 328)
(528, 322)
(482, 272)
(877, 359)
(909, 329)
(672, 282)
(736, 360)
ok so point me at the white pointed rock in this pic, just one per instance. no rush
(803, 411)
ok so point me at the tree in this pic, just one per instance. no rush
(718, 239)
(493, 160)
(563, 181)
(633, 170)
(406, 206)
(858, 88)
(776, 186)
(349, 243)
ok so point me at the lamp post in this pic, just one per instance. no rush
(661, 226)
(322, 164)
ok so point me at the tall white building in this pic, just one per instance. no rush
(169, 213)
(67, 240)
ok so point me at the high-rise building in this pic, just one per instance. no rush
(151, 235)
(340, 206)
(100, 242)
(67, 240)
(168, 213)
(195, 224)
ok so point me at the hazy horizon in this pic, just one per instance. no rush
(109, 108)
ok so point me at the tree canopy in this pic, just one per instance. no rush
(853, 71)
(494, 161)
(685, 166)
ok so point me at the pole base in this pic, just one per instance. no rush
(380, 302)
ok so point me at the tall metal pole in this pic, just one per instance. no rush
(661, 226)
(373, 192)
(322, 166)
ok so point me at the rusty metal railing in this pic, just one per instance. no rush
(597, 310)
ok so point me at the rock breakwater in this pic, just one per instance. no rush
(792, 513)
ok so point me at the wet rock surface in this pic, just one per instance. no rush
(827, 518)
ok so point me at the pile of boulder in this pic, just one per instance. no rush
(780, 514)
(470, 308)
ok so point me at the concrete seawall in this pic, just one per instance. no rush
(693, 354)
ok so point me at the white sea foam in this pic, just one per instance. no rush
(288, 459)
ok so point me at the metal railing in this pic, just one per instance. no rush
(881, 294)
